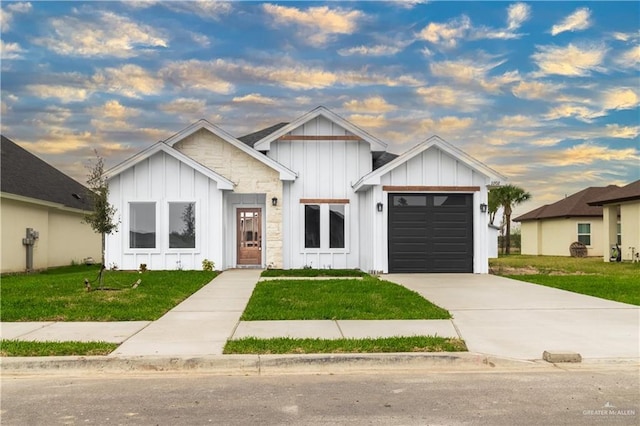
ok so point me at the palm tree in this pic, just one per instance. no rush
(506, 197)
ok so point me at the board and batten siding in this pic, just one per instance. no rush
(326, 169)
(434, 168)
(162, 179)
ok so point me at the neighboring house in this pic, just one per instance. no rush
(38, 196)
(317, 192)
(549, 230)
(621, 216)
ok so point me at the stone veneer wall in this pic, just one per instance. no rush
(250, 176)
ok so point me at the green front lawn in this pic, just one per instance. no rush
(591, 276)
(28, 348)
(60, 294)
(284, 345)
(366, 299)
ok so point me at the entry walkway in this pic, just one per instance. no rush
(201, 324)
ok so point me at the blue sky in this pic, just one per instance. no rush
(546, 93)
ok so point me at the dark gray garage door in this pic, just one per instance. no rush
(430, 233)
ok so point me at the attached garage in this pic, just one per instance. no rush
(427, 212)
(430, 232)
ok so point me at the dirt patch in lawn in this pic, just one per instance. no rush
(530, 270)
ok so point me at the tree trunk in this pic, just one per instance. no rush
(507, 244)
(102, 265)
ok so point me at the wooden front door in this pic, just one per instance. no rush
(249, 236)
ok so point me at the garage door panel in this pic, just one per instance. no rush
(430, 233)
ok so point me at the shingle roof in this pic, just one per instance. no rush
(626, 193)
(26, 175)
(254, 137)
(575, 205)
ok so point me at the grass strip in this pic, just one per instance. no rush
(309, 273)
(32, 348)
(285, 345)
(367, 299)
(60, 294)
(619, 289)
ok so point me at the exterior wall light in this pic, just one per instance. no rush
(274, 201)
(483, 208)
(379, 207)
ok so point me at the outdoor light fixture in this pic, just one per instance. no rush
(483, 208)
(274, 201)
(379, 207)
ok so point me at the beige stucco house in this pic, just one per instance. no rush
(39, 197)
(551, 229)
(621, 220)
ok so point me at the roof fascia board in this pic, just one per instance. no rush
(373, 178)
(223, 182)
(285, 173)
(375, 143)
(41, 203)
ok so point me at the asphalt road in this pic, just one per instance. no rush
(597, 396)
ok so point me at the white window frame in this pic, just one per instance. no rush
(127, 228)
(578, 233)
(166, 229)
(325, 228)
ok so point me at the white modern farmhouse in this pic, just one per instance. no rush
(317, 192)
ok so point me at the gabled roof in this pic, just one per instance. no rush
(285, 173)
(617, 195)
(265, 143)
(373, 178)
(254, 137)
(223, 182)
(575, 205)
(25, 175)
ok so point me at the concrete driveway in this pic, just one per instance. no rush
(509, 318)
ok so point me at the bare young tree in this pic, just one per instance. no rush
(102, 218)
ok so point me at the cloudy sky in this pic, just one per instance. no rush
(547, 93)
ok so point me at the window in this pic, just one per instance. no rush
(449, 200)
(312, 226)
(142, 225)
(409, 200)
(182, 225)
(584, 233)
(619, 232)
(336, 226)
(325, 226)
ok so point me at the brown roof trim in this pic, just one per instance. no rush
(390, 188)
(324, 201)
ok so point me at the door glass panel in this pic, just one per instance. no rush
(409, 200)
(449, 200)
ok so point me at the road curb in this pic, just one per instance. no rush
(265, 364)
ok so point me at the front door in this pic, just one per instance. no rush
(249, 236)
